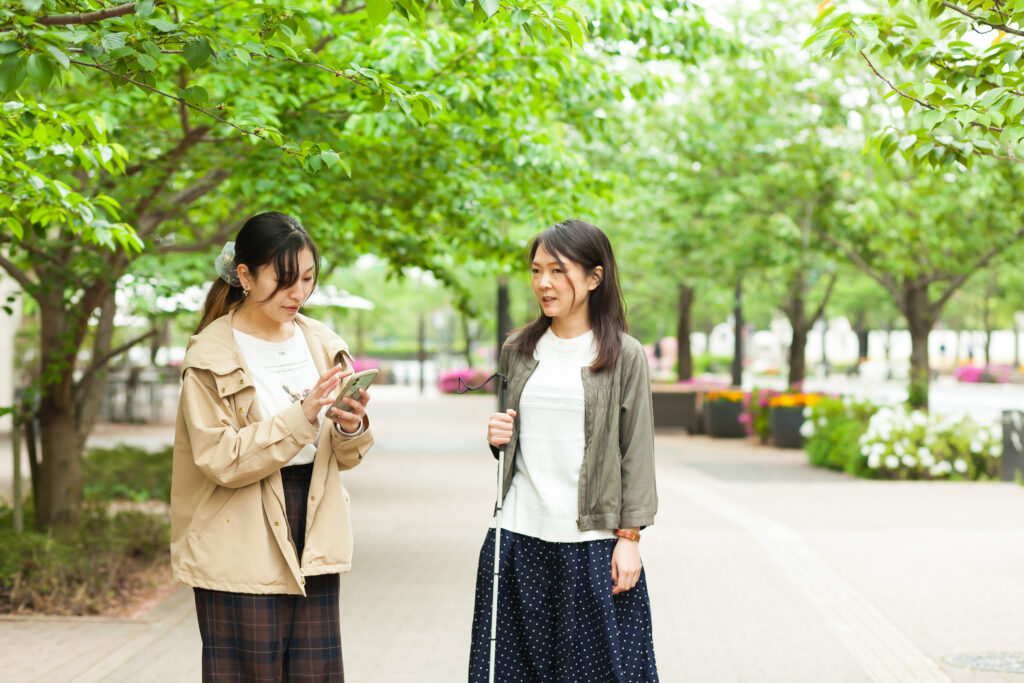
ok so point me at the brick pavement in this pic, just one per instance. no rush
(760, 569)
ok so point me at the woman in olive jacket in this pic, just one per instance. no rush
(260, 521)
(578, 482)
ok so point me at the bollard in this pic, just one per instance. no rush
(1012, 466)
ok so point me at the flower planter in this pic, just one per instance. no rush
(786, 423)
(722, 419)
(674, 406)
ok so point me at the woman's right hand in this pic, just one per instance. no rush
(320, 395)
(499, 428)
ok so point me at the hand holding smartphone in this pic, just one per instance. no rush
(351, 386)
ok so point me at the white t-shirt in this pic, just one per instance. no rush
(283, 373)
(543, 500)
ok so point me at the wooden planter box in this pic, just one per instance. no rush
(786, 422)
(722, 419)
(674, 406)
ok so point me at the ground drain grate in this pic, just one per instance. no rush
(1006, 662)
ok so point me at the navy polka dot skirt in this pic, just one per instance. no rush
(557, 618)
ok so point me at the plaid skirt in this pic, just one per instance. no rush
(558, 621)
(248, 637)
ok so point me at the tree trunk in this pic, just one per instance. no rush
(861, 330)
(920, 320)
(504, 318)
(737, 359)
(468, 350)
(60, 472)
(796, 314)
(685, 350)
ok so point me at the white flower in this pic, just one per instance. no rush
(960, 465)
(874, 461)
(807, 411)
(892, 462)
(807, 429)
(941, 468)
(919, 418)
(879, 449)
(976, 446)
(909, 461)
(898, 448)
(996, 451)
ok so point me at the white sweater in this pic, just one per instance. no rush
(543, 499)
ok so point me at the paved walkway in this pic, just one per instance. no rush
(760, 569)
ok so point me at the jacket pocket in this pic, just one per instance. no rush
(209, 507)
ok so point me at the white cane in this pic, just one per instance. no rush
(502, 398)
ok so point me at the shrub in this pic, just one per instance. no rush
(79, 571)
(912, 444)
(832, 429)
(127, 472)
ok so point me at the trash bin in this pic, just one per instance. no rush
(1012, 467)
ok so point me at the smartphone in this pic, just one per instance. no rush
(353, 383)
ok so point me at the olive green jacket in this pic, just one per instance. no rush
(616, 487)
(229, 531)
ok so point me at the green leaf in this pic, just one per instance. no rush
(196, 95)
(59, 55)
(197, 53)
(145, 8)
(331, 158)
(161, 25)
(112, 41)
(147, 62)
(868, 31)
(9, 46)
(520, 17)
(12, 73)
(378, 10)
(490, 7)
(932, 118)
(32, 6)
(39, 70)
(243, 55)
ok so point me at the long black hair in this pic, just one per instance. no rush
(586, 245)
(266, 238)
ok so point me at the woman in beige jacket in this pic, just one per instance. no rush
(260, 519)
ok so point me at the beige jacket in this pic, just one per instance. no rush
(228, 526)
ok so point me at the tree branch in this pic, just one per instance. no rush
(959, 280)
(147, 223)
(982, 20)
(892, 86)
(217, 237)
(179, 100)
(881, 278)
(824, 300)
(19, 275)
(88, 17)
(101, 361)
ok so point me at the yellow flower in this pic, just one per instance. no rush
(795, 400)
(725, 395)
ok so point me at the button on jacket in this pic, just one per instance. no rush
(616, 487)
(228, 526)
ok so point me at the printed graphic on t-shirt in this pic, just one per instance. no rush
(296, 396)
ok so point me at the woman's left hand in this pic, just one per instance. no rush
(349, 421)
(626, 565)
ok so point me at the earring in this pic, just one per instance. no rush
(245, 292)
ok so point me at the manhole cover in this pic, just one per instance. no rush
(1007, 662)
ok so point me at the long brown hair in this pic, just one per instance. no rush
(266, 238)
(586, 245)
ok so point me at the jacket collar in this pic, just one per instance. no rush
(214, 349)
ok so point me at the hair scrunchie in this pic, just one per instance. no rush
(227, 269)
